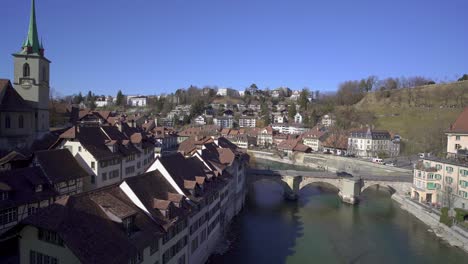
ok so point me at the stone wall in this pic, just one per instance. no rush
(454, 236)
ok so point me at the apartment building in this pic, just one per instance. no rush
(372, 143)
(108, 153)
(445, 181)
(247, 122)
(315, 138)
(224, 121)
(176, 212)
(265, 137)
(290, 129)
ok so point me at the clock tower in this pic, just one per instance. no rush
(31, 76)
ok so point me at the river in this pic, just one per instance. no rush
(319, 228)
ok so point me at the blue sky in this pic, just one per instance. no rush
(155, 46)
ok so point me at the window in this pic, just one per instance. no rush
(39, 258)
(154, 246)
(457, 146)
(93, 165)
(181, 260)
(130, 169)
(79, 148)
(448, 179)
(49, 236)
(3, 196)
(113, 174)
(93, 179)
(32, 210)
(8, 216)
(457, 137)
(7, 122)
(449, 169)
(21, 121)
(203, 235)
(104, 176)
(26, 70)
(138, 258)
(463, 172)
(138, 165)
(44, 73)
(438, 167)
(194, 244)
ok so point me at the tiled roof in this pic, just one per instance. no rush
(461, 124)
(22, 183)
(12, 156)
(10, 100)
(87, 222)
(59, 165)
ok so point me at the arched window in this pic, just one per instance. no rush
(21, 121)
(7, 122)
(26, 70)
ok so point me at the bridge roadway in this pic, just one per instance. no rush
(349, 186)
(398, 177)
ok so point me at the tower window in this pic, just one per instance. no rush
(21, 121)
(26, 70)
(7, 122)
(44, 74)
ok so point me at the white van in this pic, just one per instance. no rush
(377, 160)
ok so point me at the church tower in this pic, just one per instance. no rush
(31, 75)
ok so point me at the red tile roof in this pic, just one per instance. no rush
(461, 124)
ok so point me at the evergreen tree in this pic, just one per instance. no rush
(120, 98)
(292, 111)
(78, 98)
(304, 99)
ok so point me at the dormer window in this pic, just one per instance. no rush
(3, 195)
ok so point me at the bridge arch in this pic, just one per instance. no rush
(324, 184)
(333, 183)
(286, 188)
(391, 190)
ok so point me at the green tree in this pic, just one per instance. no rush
(78, 98)
(304, 99)
(292, 111)
(463, 78)
(120, 98)
(197, 108)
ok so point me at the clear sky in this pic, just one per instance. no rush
(156, 46)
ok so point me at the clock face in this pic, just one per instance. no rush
(26, 84)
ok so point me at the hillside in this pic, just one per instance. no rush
(227, 100)
(420, 115)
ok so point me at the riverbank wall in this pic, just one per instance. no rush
(454, 235)
(332, 163)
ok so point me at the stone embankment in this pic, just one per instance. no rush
(454, 235)
(333, 163)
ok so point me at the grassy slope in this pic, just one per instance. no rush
(420, 126)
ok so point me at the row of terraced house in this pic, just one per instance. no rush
(175, 211)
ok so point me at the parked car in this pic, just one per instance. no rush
(390, 164)
(378, 161)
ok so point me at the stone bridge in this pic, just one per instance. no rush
(349, 187)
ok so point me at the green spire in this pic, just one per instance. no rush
(33, 38)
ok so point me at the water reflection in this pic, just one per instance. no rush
(319, 228)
